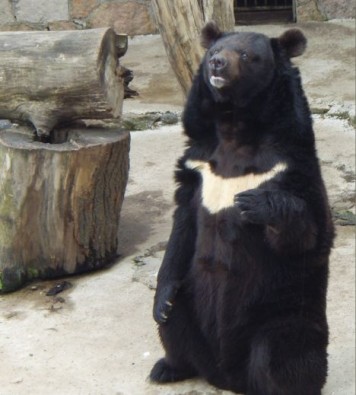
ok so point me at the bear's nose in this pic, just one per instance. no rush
(217, 62)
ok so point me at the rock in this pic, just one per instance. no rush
(135, 122)
(307, 10)
(169, 118)
(82, 8)
(148, 120)
(127, 17)
(332, 9)
(5, 124)
(41, 10)
(344, 217)
(321, 10)
(319, 109)
(6, 15)
(59, 287)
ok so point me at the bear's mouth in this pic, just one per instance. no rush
(217, 82)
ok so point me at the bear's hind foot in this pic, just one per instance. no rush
(162, 372)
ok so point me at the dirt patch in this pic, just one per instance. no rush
(140, 214)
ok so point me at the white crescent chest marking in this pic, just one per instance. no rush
(218, 193)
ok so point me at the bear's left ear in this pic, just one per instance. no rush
(294, 42)
(209, 34)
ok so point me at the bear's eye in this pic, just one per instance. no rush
(244, 56)
(214, 52)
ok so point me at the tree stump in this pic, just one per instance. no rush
(50, 79)
(59, 203)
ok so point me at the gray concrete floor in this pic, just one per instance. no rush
(100, 337)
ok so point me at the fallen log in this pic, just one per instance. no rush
(53, 78)
(60, 203)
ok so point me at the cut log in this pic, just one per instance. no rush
(60, 203)
(180, 23)
(52, 78)
(221, 12)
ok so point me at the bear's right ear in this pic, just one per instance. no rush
(209, 34)
(294, 42)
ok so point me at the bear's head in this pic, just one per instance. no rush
(239, 66)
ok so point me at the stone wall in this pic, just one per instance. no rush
(332, 9)
(323, 10)
(126, 16)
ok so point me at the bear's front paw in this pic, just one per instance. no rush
(254, 206)
(164, 301)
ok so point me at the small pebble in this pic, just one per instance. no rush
(5, 124)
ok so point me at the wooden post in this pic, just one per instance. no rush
(52, 78)
(59, 203)
(180, 23)
(221, 12)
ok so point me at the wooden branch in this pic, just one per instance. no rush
(52, 78)
(60, 203)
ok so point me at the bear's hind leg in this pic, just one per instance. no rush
(288, 358)
(187, 353)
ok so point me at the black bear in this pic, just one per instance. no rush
(241, 292)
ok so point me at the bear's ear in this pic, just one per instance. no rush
(294, 42)
(209, 34)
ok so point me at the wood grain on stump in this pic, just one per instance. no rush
(60, 203)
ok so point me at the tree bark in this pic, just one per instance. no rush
(53, 78)
(180, 23)
(221, 11)
(60, 203)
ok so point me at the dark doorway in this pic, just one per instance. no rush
(248, 12)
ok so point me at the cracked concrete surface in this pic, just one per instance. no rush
(98, 337)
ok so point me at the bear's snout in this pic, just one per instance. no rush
(217, 63)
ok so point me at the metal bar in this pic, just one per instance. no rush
(260, 5)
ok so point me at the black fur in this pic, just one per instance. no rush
(241, 293)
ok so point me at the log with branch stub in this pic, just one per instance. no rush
(59, 203)
(53, 78)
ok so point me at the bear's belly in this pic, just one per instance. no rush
(219, 305)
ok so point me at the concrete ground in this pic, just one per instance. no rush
(98, 337)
